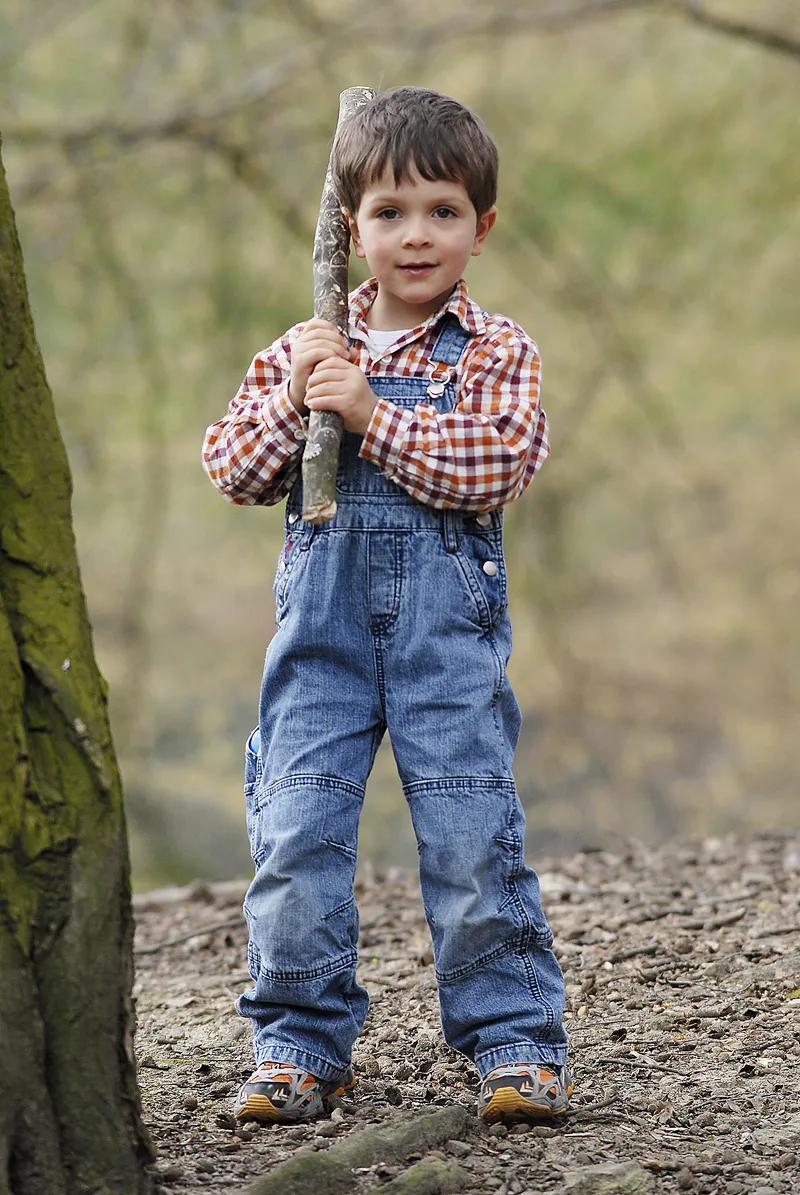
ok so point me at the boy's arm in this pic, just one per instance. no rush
(253, 454)
(483, 453)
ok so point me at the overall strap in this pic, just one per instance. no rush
(448, 349)
(451, 342)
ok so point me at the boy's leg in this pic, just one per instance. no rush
(305, 1004)
(454, 722)
(320, 725)
(501, 990)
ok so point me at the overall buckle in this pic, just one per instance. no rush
(439, 376)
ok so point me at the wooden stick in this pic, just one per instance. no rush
(331, 250)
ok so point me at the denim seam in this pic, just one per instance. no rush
(515, 946)
(476, 593)
(305, 778)
(380, 673)
(346, 904)
(529, 933)
(378, 732)
(534, 985)
(282, 579)
(496, 537)
(512, 842)
(438, 784)
(342, 847)
(468, 969)
(343, 963)
(381, 623)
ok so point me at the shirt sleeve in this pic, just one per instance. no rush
(253, 454)
(483, 453)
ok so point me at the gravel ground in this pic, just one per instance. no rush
(683, 982)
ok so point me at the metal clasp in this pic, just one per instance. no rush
(439, 376)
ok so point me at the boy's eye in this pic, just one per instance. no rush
(388, 213)
(444, 213)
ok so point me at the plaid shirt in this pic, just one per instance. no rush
(477, 457)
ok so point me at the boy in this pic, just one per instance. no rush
(393, 616)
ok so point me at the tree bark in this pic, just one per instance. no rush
(331, 251)
(70, 1115)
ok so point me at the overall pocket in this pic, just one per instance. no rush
(482, 563)
(295, 546)
(253, 769)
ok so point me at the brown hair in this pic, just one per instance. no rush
(412, 128)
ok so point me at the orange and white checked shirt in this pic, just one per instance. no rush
(477, 457)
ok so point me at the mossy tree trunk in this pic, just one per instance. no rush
(69, 1105)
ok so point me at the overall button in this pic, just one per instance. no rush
(483, 520)
(490, 568)
(293, 517)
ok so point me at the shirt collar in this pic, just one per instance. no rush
(458, 303)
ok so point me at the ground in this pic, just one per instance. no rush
(683, 982)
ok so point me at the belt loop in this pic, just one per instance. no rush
(449, 531)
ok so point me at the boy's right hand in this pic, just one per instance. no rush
(318, 341)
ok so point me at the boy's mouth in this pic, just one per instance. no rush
(418, 267)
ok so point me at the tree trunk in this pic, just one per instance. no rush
(70, 1118)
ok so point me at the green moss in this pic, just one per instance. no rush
(65, 914)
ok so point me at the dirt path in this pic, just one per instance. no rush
(683, 981)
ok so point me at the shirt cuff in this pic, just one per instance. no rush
(384, 435)
(283, 420)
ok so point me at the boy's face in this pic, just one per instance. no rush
(417, 237)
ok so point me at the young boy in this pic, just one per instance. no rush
(393, 616)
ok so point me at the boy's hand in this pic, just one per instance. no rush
(338, 385)
(319, 341)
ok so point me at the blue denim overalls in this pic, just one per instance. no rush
(393, 615)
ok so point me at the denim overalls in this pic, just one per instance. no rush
(393, 615)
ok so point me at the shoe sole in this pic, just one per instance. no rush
(508, 1104)
(261, 1108)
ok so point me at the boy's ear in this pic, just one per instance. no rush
(484, 227)
(358, 248)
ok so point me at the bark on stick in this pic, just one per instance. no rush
(331, 250)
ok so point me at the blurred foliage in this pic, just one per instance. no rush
(166, 160)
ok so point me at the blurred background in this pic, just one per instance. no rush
(165, 163)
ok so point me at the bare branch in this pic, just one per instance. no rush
(262, 84)
(177, 123)
(555, 17)
(247, 170)
(768, 39)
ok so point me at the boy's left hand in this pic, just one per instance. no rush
(338, 385)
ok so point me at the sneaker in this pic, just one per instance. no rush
(281, 1091)
(524, 1091)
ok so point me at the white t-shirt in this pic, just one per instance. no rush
(379, 342)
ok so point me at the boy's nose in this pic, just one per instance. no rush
(417, 233)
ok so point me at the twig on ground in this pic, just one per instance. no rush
(643, 1064)
(619, 956)
(574, 1113)
(231, 923)
(775, 933)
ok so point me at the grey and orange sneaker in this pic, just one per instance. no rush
(521, 1091)
(281, 1091)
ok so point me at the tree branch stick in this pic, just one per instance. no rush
(331, 250)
